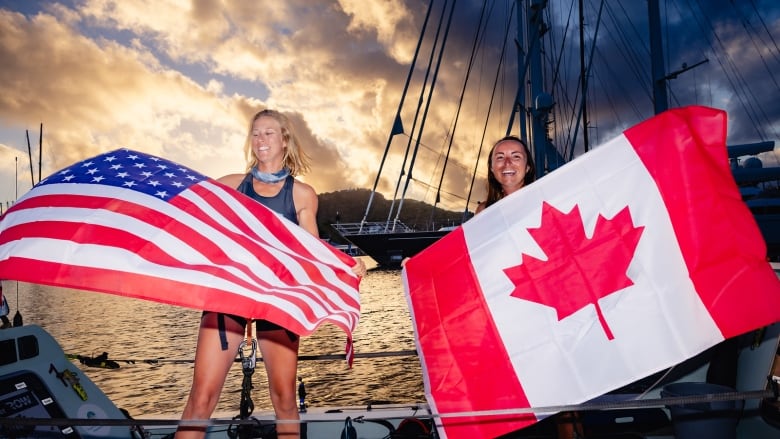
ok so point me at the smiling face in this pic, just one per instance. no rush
(509, 165)
(268, 144)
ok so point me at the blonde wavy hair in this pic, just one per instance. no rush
(295, 158)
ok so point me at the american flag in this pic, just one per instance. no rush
(137, 225)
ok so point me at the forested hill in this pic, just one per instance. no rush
(348, 206)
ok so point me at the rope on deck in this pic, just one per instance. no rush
(316, 357)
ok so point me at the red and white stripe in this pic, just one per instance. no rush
(209, 247)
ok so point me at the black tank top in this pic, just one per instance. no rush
(280, 203)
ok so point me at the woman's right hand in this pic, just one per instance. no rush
(359, 268)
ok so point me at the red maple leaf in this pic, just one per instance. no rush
(578, 271)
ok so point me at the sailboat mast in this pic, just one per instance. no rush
(425, 113)
(541, 102)
(660, 98)
(397, 124)
(583, 79)
(29, 156)
(519, 105)
(582, 116)
(40, 152)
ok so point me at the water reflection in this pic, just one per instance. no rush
(88, 323)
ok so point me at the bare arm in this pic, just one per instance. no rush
(306, 203)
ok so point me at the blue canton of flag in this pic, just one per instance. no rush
(130, 169)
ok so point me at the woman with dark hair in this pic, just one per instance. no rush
(510, 168)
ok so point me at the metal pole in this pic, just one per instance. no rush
(660, 98)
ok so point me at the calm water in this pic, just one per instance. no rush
(88, 324)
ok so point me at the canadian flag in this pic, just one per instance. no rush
(628, 260)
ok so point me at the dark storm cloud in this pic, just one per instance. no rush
(739, 39)
(183, 81)
(740, 74)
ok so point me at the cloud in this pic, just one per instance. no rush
(182, 79)
(294, 51)
(387, 20)
(96, 94)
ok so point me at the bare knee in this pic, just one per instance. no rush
(200, 404)
(285, 405)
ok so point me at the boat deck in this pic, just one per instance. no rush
(44, 395)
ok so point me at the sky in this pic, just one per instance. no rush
(181, 79)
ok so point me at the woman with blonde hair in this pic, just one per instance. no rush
(274, 157)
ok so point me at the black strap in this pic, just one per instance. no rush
(247, 406)
(349, 431)
(222, 335)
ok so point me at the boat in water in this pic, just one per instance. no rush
(548, 107)
(388, 244)
(760, 187)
